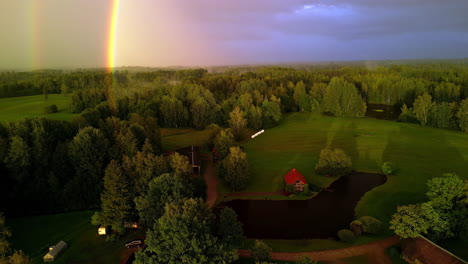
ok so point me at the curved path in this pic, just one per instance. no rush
(374, 250)
(253, 193)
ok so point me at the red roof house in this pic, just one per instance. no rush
(295, 178)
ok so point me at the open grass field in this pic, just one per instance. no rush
(419, 154)
(17, 108)
(175, 138)
(35, 234)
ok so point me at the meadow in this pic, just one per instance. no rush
(17, 108)
(35, 234)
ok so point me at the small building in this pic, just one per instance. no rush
(54, 251)
(102, 231)
(193, 154)
(293, 177)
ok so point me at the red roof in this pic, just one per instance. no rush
(292, 176)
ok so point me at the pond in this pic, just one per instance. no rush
(319, 217)
(381, 111)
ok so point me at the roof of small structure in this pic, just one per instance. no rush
(293, 175)
(57, 249)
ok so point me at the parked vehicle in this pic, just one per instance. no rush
(134, 243)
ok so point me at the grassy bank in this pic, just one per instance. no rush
(17, 108)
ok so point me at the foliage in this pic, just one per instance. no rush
(387, 168)
(49, 109)
(441, 217)
(229, 228)
(237, 122)
(260, 251)
(180, 165)
(116, 199)
(346, 235)
(236, 169)
(164, 189)
(5, 233)
(357, 227)
(343, 99)
(407, 115)
(422, 108)
(223, 142)
(333, 162)
(462, 115)
(371, 224)
(184, 234)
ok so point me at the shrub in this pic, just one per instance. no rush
(346, 235)
(387, 168)
(371, 224)
(333, 162)
(357, 227)
(49, 109)
(260, 251)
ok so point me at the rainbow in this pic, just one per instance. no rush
(110, 62)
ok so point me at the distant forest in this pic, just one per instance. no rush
(54, 166)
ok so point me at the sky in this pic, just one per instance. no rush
(39, 34)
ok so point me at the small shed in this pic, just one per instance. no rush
(296, 179)
(102, 231)
(54, 251)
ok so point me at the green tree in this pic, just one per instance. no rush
(255, 117)
(343, 99)
(184, 234)
(116, 199)
(236, 168)
(229, 228)
(223, 142)
(371, 225)
(19, 158)
(260, 251)
(164, 189)
(441, 115)
(409, 221)
(180, 165)
(462, 115)
(387, 168)
(271, 113)
(301, 98)
(237, 122)
(422, 107)
(346, 235)
(19, 257)
(357, 227)
(5, 233)
(333, 162)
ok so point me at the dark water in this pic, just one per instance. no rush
(319, 217)
(389, 112)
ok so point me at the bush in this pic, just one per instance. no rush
(371, 224)
(357, 227)
(260, 251)
(346, 235)
(387, 168)
(49, 109)
(333, 162)
(112, 238)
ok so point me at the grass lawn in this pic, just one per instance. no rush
(17, 108)
(175, 138)
(35, 234)
(419, 153)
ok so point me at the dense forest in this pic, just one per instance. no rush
(52, 166)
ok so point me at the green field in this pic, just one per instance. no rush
(17, 108)
(35, 234)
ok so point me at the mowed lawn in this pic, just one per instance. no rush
(35, 234)
(17, 108)
(419, 153)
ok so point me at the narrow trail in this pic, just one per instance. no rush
(211, 181)
(374, 250)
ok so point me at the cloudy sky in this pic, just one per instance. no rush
(71, 33)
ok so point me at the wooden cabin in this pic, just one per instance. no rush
(296, 179)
